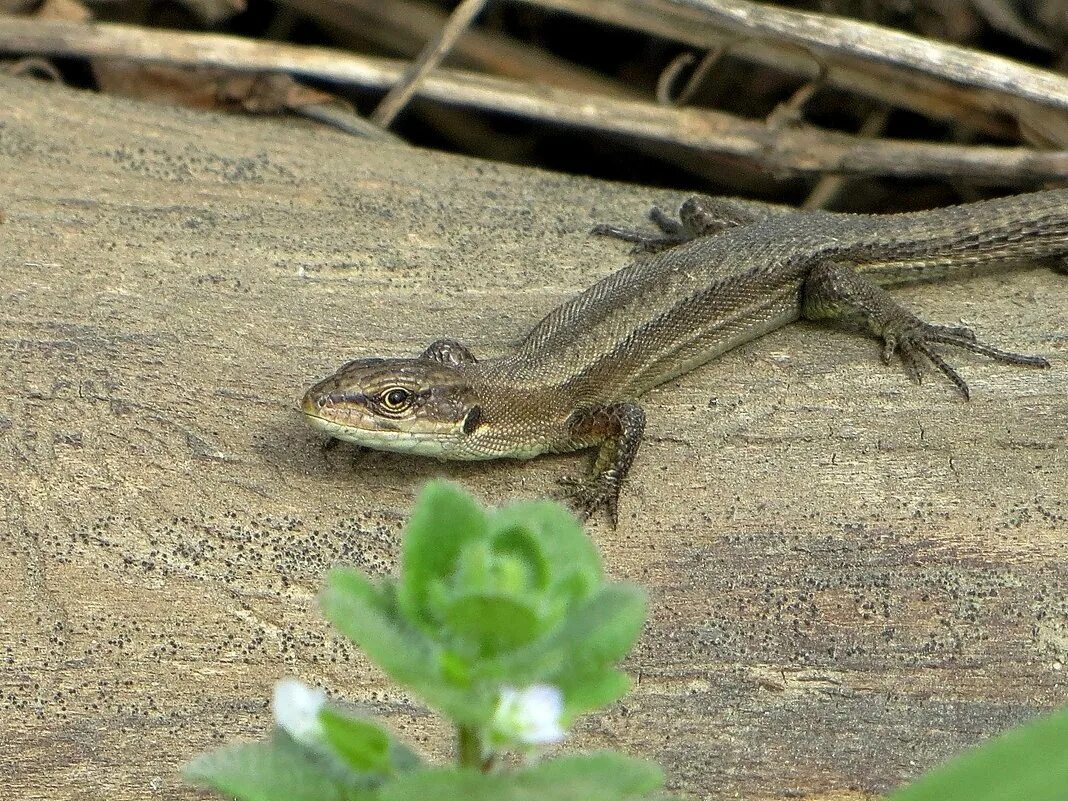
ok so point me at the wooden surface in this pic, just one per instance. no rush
(851, 577)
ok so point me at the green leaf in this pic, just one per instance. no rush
(364, 745)
(365, 615)
(277, 770)
(517, 544)
(359, 742)
(569, 556)
(583, 692)
(593, 637)
(1025, 764)
(583, 777)
(592, 777)
(450, 784)
(603, 630)
(444, 519)
(490, 624)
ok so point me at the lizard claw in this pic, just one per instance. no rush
(835, 289)
(913, 341)
(889, 347)
(587, 496)
(643, 242)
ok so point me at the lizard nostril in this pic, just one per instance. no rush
(310, 403)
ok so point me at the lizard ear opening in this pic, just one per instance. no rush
(449, 351)
(473, 418)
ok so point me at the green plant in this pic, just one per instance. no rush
(500, 619)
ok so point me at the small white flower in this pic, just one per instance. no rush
(296, 710)
(530, 716)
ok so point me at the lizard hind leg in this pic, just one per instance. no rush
(835, 291)
(699, 215)
(617, 431)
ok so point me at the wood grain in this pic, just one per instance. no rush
(852, 577)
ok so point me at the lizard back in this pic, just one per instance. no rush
(666, 313)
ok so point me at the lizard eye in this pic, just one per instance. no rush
(396, 399)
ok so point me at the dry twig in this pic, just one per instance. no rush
(398, 96)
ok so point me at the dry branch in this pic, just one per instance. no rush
(938, 79)
(785, 150)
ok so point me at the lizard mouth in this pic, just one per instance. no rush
(420, 443)
(343, 422)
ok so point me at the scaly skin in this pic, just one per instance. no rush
(727, 272)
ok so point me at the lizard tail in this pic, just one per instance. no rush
(958, 239)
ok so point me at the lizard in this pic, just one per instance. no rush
(725, 272)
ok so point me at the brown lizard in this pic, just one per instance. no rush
(728, 271)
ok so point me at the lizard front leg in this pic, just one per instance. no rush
(617, 431)
(836, 291)
(699, 215)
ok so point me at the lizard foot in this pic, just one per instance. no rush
(835, 290)
(698, 216)
(912, 341)
(616, 429)
(672, 232)
(586, 496)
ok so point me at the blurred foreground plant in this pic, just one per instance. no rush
(500, 619)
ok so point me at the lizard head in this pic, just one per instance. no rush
(425, 405)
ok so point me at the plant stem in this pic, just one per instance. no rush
(470, 748)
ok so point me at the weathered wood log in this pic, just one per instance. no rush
(851, 577)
